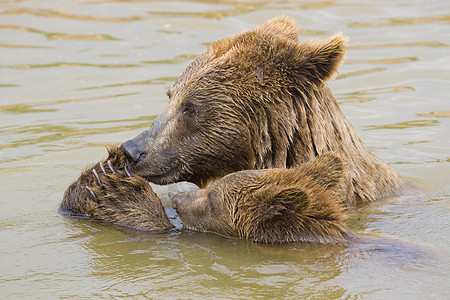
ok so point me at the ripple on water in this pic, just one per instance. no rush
(61, 36)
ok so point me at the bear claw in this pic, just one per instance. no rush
(97, 178)
(92, 194)
(128, 171)
(111, 167)
(103, 168)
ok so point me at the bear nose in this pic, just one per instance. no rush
(174, 203)
(177, 200)
(131, 150)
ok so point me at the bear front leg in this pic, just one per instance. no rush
(77, 200)
(121, 198)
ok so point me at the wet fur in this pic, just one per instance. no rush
(259, 100)
(274, 205)
(255, 107)
(120, 199)
(265, 206)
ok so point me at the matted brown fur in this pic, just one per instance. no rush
(274, 205)
(128, 201)
(255, 108)
(258, 100)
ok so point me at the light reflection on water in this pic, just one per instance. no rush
(82, 74)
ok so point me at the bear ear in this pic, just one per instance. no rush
(269, 214)
(283, 26)
(330, 171)
(322, 58)
(280, 204)
(274, 211)
(286, 204)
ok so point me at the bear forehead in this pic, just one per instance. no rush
(254, 43)
(281, 27)
(232, 58)
(271, 52)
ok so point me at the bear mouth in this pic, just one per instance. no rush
(163, 178)
(161, 175)
(169, 174)
(173, 176)
(160, 166)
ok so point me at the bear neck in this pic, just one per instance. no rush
(295, 126)
(298, 124)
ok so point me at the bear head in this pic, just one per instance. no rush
(273, 205)
(236, 107)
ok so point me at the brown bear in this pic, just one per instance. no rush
(255, 107)
(107, 191)
(303, 204)
(258, 100)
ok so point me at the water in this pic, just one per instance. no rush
(75, 75)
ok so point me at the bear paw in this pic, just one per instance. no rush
(128, 200)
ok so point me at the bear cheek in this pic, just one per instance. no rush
(222, 154)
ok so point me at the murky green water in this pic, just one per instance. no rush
(75, 75)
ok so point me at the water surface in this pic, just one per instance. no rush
(75, 75)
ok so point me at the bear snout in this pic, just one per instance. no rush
(174, 203)
(184, 200)
(131, 150)
(179, 199)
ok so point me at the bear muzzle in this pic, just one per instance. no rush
(132, 150)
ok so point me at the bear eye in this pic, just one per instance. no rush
(189, 109)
